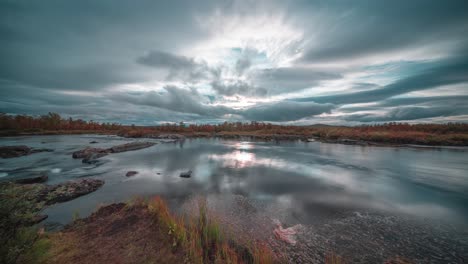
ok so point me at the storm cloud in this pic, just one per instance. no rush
(148, 62)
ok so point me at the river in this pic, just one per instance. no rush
(312, 184)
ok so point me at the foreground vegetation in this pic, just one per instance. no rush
(140, 231)
(451, 134)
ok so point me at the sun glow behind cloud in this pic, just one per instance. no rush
(268, 34)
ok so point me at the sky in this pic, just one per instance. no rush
(287, 62)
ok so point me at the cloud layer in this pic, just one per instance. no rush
(295, 62)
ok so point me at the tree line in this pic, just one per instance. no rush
(53, 121)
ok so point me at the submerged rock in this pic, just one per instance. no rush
(131, 173)
(170, 136)
(90, 155)
(93, 142)
(186, 174)
(131, 146)
(38, 179)
(93, 158)
(18, 151)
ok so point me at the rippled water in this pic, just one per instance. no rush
(313, 179)
(306, 183)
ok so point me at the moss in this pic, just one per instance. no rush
(17, 209)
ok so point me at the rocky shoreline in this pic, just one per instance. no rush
(20, 209)
(39, 195)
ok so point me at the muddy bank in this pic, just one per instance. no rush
(115, 234)
(145, 231)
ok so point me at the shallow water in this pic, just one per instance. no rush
(296, 182)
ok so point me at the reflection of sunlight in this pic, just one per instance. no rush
(244, 145)
(236, 159)
(335, 176)
(244, 156)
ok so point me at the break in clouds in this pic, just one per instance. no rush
(294, 62)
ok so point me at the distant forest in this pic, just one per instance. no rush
(393, 132)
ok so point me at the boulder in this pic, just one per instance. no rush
(186, 174)
(38, 179)
(131, 173)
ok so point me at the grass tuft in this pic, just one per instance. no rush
(203, 239)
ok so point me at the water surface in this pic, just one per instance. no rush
(314, 180)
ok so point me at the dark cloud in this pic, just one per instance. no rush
(237, 88)
(285, 111)
(242, 65)
(175, 99)
(189, 101)
(88, 44)
(378, 27)
(426, 101)
(410, 113)
(450, 72)
(160, 59)
(288, 79)
(180, 67)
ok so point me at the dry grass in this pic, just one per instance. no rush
(331, 258)
(204, 240)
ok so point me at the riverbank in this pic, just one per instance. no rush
(138, 231)
(365, 139)
(21, 207)
(449, 134)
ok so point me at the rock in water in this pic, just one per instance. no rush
(7, 152)
(69, 190)
(88, 152)
(93, 158)
(186, 174)
(90, 155)
(131, 173)
(38, 179)
(131, 146)
(14, 151)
